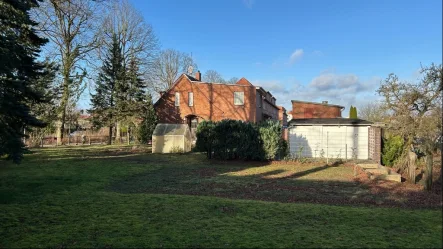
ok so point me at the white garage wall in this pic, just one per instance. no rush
(331, 141)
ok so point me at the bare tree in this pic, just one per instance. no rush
(416, 112)
(373, 112)
(136, 37)
(70, 26)
(232, 80)
(137, 40)
(168, 67)
(213, 76)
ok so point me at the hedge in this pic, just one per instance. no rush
(233, 139)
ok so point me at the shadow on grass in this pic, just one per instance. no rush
(222, 181)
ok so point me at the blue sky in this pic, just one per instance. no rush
(310, 50)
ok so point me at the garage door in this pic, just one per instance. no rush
(332, 141)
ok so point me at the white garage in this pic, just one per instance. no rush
(331, 137)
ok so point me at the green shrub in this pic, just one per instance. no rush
(233, 139)
(284, 148)
(393, 147)
(205, 137)
(271, 135)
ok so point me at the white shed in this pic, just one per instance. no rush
(330, 137)
(171, 138)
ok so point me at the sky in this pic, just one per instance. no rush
(313, 50)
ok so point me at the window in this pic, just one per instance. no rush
(239, 98)
(191, 99)
(177, 99)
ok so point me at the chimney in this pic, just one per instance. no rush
(198, 75)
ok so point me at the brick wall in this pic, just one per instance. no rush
(375, 137)
(211, 102)
(312, 110)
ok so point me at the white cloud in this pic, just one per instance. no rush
(248, 3)
(339, 89)
(296, 55)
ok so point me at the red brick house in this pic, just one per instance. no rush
(191, 100)
(305, 109)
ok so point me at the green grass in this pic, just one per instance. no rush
(112, 197)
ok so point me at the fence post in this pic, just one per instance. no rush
(41, 142)
(89, 140)
(327, 147)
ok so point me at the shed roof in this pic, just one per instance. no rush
(329, 121)
(170, 129)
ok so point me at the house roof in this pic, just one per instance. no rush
(329, 121)
(242, 82)
(191, 78)
(316, 103)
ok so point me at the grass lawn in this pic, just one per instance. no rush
(114, 197)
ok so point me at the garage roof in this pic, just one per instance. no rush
(329, 121)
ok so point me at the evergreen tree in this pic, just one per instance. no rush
(353, 112)
(19, 75)
(106, 99)
(149, 121)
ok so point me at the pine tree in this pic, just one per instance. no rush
(104, 101)
(355, 112)
(19, 75)
(149, 121)
(351, 111)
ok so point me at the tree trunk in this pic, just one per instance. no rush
(127, 135)
(412, 157)
(428, 171)
(117, 132)
(110, 135)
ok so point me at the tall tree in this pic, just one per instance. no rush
(416, 112)
(104, 112)
(20, 75)
(138, 42)
(167, 68)
(373, 112)
(353, 112)
(71, 27)
(213, 76)
(136, 36)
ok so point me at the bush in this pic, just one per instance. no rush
(393, 147)
(271, 135)
(232, 139)
(205, 137)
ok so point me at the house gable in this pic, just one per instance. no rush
(244, 82)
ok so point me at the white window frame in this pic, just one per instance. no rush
(190, 99)
(239, 98)
(177, 99)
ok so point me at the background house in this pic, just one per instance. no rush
(191, 100)
(305, 109)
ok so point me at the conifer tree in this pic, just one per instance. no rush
(20, 73)
(149, 121)
(109, 82)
